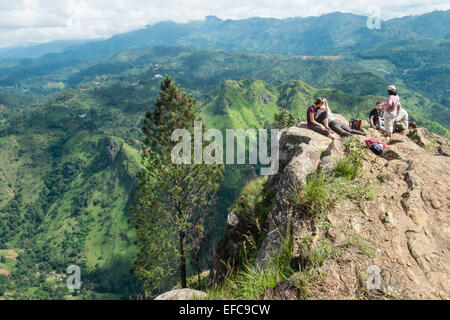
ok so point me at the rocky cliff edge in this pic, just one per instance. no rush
(394, 245)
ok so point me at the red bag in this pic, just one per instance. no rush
(375, 145)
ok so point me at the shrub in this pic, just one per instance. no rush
(315, 196)
(347, 167)
(284, 119)
(322, 253)
(251, 281)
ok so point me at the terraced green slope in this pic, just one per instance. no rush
(66, 175)
(252, 104)
(66, 191)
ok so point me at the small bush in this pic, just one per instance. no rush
(319, 257)
(284, 119)
(254, 206)
(316, 196)
(324, 189)
(352, 144)
(322, 253)
(347, 167)
(303, 280)
(250, 282)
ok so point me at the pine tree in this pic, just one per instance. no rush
(172, 200)
(284, 119)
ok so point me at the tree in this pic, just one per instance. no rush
(172, 201)
(5, 283)
(284, 119)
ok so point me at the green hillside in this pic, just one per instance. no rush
(65, 199)
(134, 72)
(73, 211)
(68, 163)
(252, 104)
(420, 65)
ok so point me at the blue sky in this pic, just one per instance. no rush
(26, 21)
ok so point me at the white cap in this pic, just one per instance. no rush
(392, 88)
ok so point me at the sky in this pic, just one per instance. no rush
(33, 21)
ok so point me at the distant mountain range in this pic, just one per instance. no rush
(324, 35)
(410, 51)
(22, 51)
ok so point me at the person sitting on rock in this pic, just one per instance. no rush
(337, 126)
(319, 123)
(401, 120)
(375, 117)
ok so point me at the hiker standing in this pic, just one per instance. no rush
(391, 109)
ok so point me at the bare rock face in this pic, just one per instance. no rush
(181, 294)
(301, 152)
(406, 228)
(400, 147)
(285, 290)
(419, 136)
(226, 253)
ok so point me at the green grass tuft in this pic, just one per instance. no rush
(250, 282)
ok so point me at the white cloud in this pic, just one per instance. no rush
(47, 20)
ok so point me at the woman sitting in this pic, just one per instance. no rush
(320, 123)
(337, 126)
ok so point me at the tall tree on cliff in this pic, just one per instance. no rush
(172, 199)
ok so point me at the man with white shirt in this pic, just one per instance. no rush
(401, 120)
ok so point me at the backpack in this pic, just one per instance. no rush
(355, 124)
(375, 145)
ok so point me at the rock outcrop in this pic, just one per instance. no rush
(181, 294)
(407, 226)
(302, 153)
(401, 239)
(243, 230)
(225, 255)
